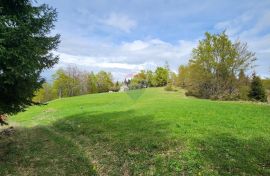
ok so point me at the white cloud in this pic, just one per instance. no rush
(135, 46)
(120, 21)
(253, 28)
(67, 59)
(126, 57)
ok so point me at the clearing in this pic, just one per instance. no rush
(145, 132)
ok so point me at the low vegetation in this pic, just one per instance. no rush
(141, 132)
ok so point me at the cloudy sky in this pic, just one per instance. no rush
(124, 36)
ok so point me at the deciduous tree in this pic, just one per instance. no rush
(215, 65)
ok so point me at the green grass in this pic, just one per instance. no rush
(152, 132)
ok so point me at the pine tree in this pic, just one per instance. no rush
(257, 91)
(26, 47)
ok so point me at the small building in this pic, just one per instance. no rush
(124, 88)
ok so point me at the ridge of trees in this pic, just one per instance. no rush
(73, 82)
(216, 70)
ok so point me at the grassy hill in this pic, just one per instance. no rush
(151, 132)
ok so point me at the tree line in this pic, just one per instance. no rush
(216, 70)
(71, 81)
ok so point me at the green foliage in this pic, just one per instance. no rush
(139, 80)
(214, 67)
(104, 81)
(25, 51)
(150, 78)
(115, 87)
(161, 133)
(183, 76)
(60, 83)
(161, 76)
(73, 82)
(243, 92)
(266, 83)
(169, 87)
(45, 94)
(92, 83)
(243, 85)
(257, 91)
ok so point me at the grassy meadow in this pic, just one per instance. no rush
(144, 132)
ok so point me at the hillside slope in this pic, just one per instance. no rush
(148, 132)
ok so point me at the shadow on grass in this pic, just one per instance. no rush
(230, 155)
(121, 142)
(106, 143)
(127, 143)
(38, 151)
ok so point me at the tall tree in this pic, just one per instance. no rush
(61, 83)
(25, 51)
(215, 65)
(183, 76)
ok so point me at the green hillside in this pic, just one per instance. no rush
(147, 132)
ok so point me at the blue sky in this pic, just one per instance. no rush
(123, 36)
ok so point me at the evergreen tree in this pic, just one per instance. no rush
(25, 51)
(257, 91)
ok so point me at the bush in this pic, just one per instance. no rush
(243, 93)
(169, 88)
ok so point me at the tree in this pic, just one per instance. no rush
(73, 83)
(61, 83)
(116, 87)
(257, 91)
(139, 80)
(161, 76)
(243, 85)
(215, 65)
(150, 78)
(45, 94)
(183, 76)
(25, 51)
(92, 83)
(104, 81)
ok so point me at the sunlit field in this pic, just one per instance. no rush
(146, 132)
